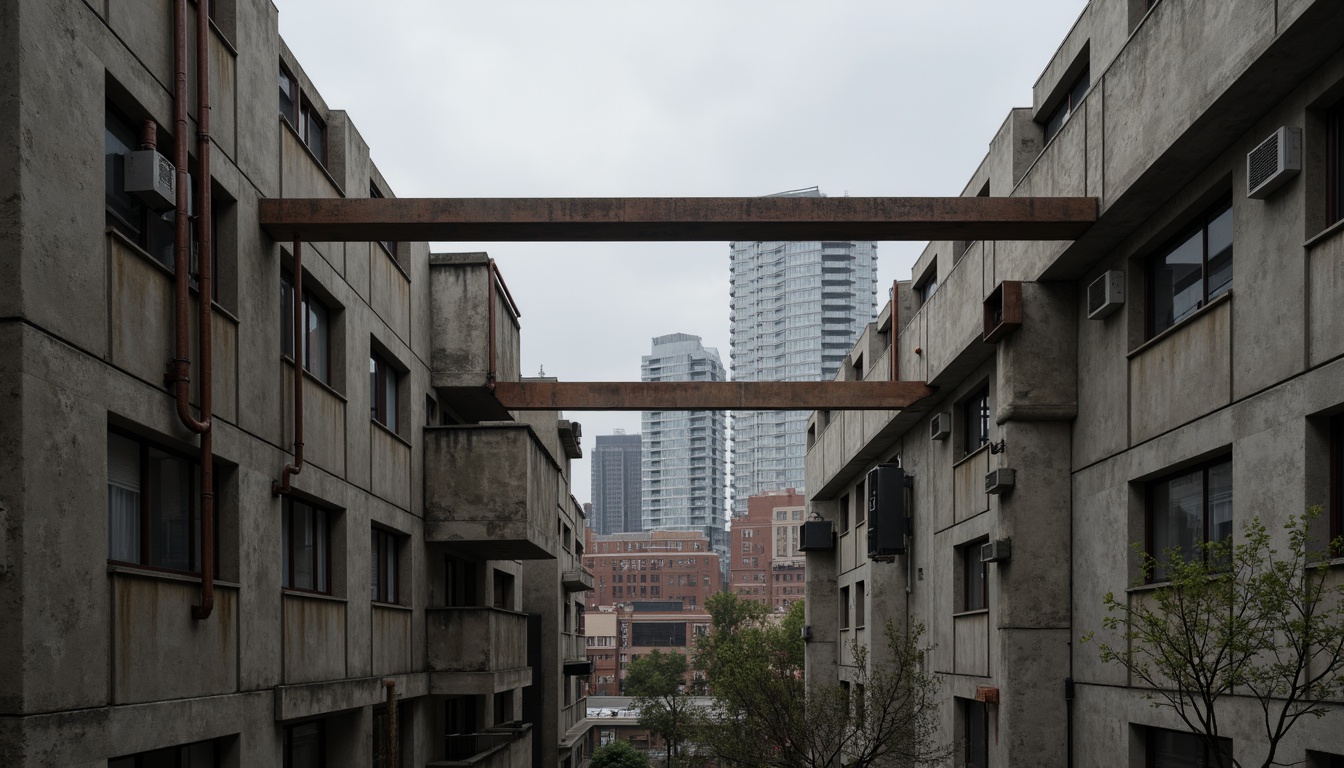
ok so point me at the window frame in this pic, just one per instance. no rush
(844, 607)
(1068, 104)
(974, 578)
(975, 411)
(321, 742)
(322, 549)
(1157, 575)
(288, 336)
(975, 712)
(385, 561)
(384, 391)
(145, 517)
(1198, 226)
(305, 121)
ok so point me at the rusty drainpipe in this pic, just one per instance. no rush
(895, 330)
(282, 488)
(179, 369)
(390, 752)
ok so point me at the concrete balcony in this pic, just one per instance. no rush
(476, 650)
(460, 337)
(504, 747)
(491, 492)
(577, 580)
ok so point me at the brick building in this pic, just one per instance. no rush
(654, 565)
(766, 565)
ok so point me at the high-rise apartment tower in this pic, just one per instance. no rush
(616, 483)
(684, 452)
(796, 310)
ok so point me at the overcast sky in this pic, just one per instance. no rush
(685, 98)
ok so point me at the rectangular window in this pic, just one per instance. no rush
(306, 745)
(154, 232)
(153, 518)
(976, 732)
(860, 502)
(975, 421)
(202, 754)
(844, 607)
(305, 547)
(1336, 510)
(1176, 749)
(388, 245)
(1334, 158)
(383, 382)
(844, 513)
(404, 735)
(1070, 104)
(926, 289)
(974, 592)
(503, 584)
(1192, 270)
(315, 338)
(1187, 509)
(301, 116)
(383, 581)
(289, 97)
(460, 584)
(860, 609)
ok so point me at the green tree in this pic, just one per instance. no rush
(765, 716)
(657, 683)
(1235, 618)
(619, 754)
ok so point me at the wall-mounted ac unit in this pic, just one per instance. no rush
(1106, 294)
(999, 481)
(940, 426)
(152, 178)
(888, 518)
(816, 536)
(1276, 160)
(807, 633)
(996, 551)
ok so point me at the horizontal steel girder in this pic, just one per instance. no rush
(709, 395)
(666, 219)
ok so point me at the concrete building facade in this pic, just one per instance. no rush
(796, 309)
(1170, 374)
(685, 453)
(616, 477)
(767, 566)
(401, 553)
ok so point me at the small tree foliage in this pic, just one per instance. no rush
(1235, 619)
(657, 683)
(619, 754)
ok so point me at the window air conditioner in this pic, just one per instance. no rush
(940, 426)
(996, 551)
(999, 481)
(152, 178)
(1106, 294)
(1276, 160)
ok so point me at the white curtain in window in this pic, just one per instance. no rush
(123, 499)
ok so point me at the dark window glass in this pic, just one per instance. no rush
(975, 594)
(125, 213)
(202, 754)
(306, 547)
(388, 245)
(1187, 509)
(383, 581)
(383, 380)
(1174, 749)
(300, 113)
(1334, 155)
(315, 341)
(1195, 269)
(860, 607)
(927, 288)
(305, 745)
(289, 98)
(1072, 101)
(153, 517)
(503, 586)
(844, 607)
(975, 420)
(976, 715)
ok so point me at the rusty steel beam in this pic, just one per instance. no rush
(667, 219)
(709, 395)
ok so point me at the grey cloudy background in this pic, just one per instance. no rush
(687, 98)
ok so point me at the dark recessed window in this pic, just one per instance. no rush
(153, 515)
(927, 288)
(1175, 749)
(383, 381)
(974, 590)
(1187, 509)
(1192, 270)
(384, 577)
(1070, 104)
(1337, 478)
(976, 732)
(860, 606)
(306, 547)
(126, 214)
(1334, 156)
(306, 745)
(975, 420)
(388, 245)
(844, 607)
(315, 339)
(202, 754)
(302, 117)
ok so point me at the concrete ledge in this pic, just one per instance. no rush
(468, 683)
(295, 701)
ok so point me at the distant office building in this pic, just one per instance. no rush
(766, 565)
(685, 452)
(796, 310)
(616, 483)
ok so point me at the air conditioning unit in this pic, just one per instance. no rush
(999, 481)
(807, 633)
(996, 551)
(152, 178)
(940, 426)
(888, 520)
(1106, 294)
(1276, 160)
(816, 536)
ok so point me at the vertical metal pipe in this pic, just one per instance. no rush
(282, 487)
(490, 301)
(205, 317)
(390, 756)
(895, 329)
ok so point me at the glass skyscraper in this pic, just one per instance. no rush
(797, 309)
(616, 479)
(685, 454)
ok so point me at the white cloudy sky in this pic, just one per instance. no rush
(690, 98)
